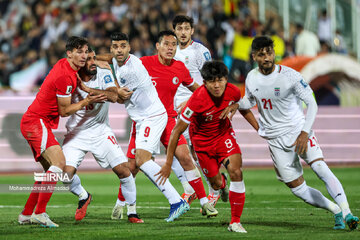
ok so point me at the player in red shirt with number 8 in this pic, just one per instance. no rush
(213, 138)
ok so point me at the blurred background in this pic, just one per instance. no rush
(319, 38)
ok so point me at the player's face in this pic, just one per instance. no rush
(265, 59)
(167, 47)
(78, 56)
(216, 87)
(120, 50)
(90, 67)
(183, 32)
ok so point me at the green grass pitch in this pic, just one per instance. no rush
(271, 211)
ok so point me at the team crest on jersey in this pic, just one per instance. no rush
(107, 79)
(68, 89)
(188, 112)
(175, 80)
(207, 56)
(303, 83)
(122, 80)
(277, 91)
(186, 59)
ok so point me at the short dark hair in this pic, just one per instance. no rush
(181, 19)
(90, 49)
(214, 69)
(119, 36)
(75, 42)
(165, 33)
(261, 42)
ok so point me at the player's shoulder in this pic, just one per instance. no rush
(199, 94)
(201, 49)
(233, 90)
(178, 64)
(104, 74)
(288, 72)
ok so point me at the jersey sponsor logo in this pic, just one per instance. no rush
(107, 79)
(303, 83)
(175, 80)
(207, 56)
(188, 112)
(277, 91)
(68, 89)
(230, 149)
(122, 80)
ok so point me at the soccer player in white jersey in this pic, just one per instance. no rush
(88, 130)
(193, 55)
(145, 108)
(278, 92)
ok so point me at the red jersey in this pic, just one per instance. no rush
(167, 79)
(60, 82)
(202, 112)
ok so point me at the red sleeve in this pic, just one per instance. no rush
(187, 80)
(64, 86)
(189, 110)
(235, 92)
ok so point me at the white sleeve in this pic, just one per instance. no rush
(106, 79)
(248, 101)
(305, 93)
(205, 56)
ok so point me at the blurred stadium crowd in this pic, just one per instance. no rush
(33, 31)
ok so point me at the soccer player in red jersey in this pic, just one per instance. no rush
(213, 138)
(52, 101)
(167, 74)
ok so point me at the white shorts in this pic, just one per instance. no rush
(104, 148)
(286, 160)
(149, 131)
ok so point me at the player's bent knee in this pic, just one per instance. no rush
(235, 174)
(121, 170)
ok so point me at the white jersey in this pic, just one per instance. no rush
(144, 102)
(278, 97)
(194, 57)
(92, 119)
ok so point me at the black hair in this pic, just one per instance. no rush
(119, 36)
(75, 42)
(214, 69)
(165, 33)
(261, 42)
(182, 19)
(90, 49)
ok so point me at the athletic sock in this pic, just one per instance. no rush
(333, 185)
(150, 168)
(237, 200)
(180, 174)
(314, 197)
(32, 200)
(194, 179)
(77, 189)
(44, 196)
(120, 195)
(128, 189)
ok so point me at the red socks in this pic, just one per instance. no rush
(120, 195)
(198, 186)
(237, 201)
(44, 196)
(32, 200)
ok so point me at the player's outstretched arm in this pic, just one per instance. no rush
(66, 108)
(165, 171)
(249, 116)
(107, 57)
(193, 87)
(110, 93)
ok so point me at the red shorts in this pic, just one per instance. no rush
(211, 159)
(165, 137)
(38, 133)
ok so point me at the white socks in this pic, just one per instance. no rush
(150, 168)
(333, 185)
(314, 197)
(128, 189)
(238, 187)
(77, 189)
(180, 174)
